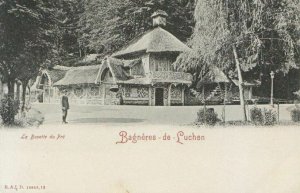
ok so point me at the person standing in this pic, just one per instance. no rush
(65, 106)
(120, 97)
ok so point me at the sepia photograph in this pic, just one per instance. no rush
(149, 96)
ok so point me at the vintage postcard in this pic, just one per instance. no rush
(149, 96)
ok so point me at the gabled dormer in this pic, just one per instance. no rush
(134, 68)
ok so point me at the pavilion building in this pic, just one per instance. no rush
(152, 79)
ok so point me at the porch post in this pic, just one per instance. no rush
(169, 95)
(49, 93)
(44, 94)
(103, 93)
(182, 94)
(224, 105)
(85, 89)
(150, 95)
(250, 92)
(225, 96)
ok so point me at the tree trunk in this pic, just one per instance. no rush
(10, 116)
(80, 54)
(224, 102)
(241, 89)
(1, 90)
(18, 91)
(29, 91)
(204, 103)
(24, 86)
(11, 89)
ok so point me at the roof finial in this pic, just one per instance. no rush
(159, 18)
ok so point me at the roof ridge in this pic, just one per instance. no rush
(85, 67)
(156, 40)
(134, 40)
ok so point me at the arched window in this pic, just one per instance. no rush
(45, 80)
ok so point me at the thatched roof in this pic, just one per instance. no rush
(247, 83)
(57, 73)
(59, 67)
(79, 75)
(214, 75)
(117, 69)
(131, 63)
(54, 74)
(157, 40)
(115, 66)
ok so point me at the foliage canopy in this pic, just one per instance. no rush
(265, 33)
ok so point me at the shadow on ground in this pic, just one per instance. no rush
(107, 120)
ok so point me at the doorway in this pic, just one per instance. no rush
(159, 97)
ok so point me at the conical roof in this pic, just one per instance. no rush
(156, 40)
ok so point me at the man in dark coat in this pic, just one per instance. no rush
(65, 106)
(120, 97)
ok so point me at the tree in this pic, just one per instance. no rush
(26, 39)
(106, 26)
(68, 12)
(247, 34)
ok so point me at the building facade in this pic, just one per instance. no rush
(148, 60)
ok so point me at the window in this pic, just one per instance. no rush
(95, 91)
(78, 92)
(134, 92)
(162, 63)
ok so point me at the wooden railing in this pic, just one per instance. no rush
(169, 75)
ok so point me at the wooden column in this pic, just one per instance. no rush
(44, 93)
(250, 92)
(225, 96)
(49, 93)
(169, 95)
(224, 105)
(85, 89)
(182, 94)
(103, 94)
(150, 95)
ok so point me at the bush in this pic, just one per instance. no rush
(270, 117)
(295, 114)
(40, 98)
(21, 122)
(263, 116)
(256, 116)
(207, 116)
(297, 93)
(8, 110)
